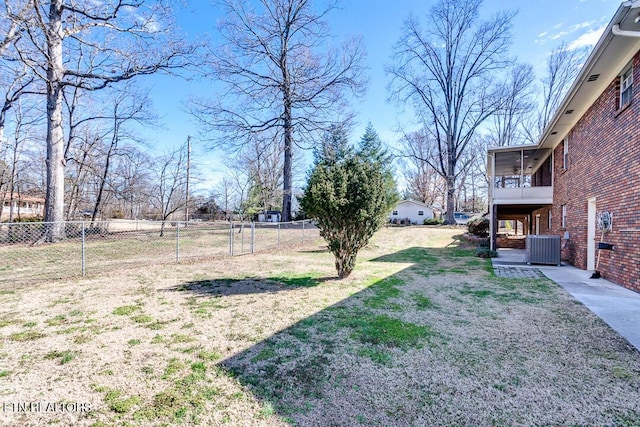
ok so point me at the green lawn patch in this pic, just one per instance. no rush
(126, 310)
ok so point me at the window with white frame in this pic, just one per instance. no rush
(564, 216)
(394, 212)
(549, 219)
(565, 153)
(626, 86)
(420, 213)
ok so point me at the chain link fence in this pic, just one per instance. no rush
(97, 247)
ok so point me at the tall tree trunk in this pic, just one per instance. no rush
(451, 186)
(54, 204)
(288, 159)
(451, 198)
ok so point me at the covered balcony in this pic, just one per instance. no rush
(521, 175)
(521, 183)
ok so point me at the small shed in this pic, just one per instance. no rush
(412, 212)
(269, 216)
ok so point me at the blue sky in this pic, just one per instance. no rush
(539, 27)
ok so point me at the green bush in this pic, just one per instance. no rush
(483, 243)
(478, 226)
(485, 252)
(433, 221)
(351, 199)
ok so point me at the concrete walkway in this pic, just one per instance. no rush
(617, 306)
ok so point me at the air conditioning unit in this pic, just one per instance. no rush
(543, 250)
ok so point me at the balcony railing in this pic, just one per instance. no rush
(523, 195)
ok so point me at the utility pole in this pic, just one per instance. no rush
(186, 208)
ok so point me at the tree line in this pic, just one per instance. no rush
(73, 101)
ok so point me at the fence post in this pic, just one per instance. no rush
(303, 231)
(242, 238)
(253, 235)
(278, 235)
(177, 241)
(231, 238)
(83, 250)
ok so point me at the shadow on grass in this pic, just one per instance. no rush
(315, 251)
(249, 285)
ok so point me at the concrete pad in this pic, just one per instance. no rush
(508, 256)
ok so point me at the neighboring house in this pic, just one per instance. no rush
(269, 216)
(23, 206)
(415, 212)
(586, 163)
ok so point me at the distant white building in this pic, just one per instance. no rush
(22, 206)
(415, 212)
(269, 216)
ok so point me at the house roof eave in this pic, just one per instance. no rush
(610, 54)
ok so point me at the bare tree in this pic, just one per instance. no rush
(472, 192)
(447, 72)
(224, 192)
(131, 181)
(23, 132)
(168, 193)
(128, 106)
(242, 183)
(263, 160)
(424, 183)
(507, 123)
(11, 17)
(281, 74)
(119, 36)
(563, 66)
(80, 170)
(15, 83)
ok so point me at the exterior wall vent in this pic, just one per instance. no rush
(593, 77)
(543, 250)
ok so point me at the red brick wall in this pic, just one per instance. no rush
(604, 162)
(513, 243)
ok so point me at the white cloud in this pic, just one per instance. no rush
(558, 35)
(587, 39)
(590, 38)
(584, 24)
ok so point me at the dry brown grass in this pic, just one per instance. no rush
(421, 334)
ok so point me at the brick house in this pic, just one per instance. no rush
(586, 163)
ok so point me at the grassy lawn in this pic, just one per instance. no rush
(422, 334)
